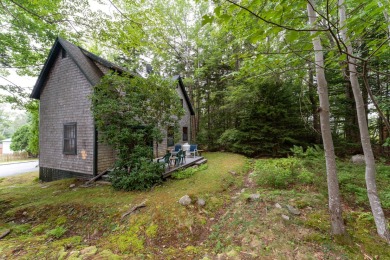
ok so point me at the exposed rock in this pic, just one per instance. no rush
(72, 185)
(278, 206)
(254, 196)
(232, 253)
(243, 190)
(233, 172)
(201, 202)
(74, 255)
(293, 210)
(285, 217)
(358, 159)
(107, 254)
(24, 213)
(185, 200)
(89, 251)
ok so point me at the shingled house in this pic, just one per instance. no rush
(68, 140)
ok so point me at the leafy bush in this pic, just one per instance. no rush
(186, 173)
(142, 176)
(282, 173)
(306, 177)
(311, 152)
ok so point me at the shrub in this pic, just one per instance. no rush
(186, 173)
(142, 176)
(57, 232)
(306, 177)
(282, 173)
(311, 152)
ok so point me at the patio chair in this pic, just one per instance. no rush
(165, 160)
(180, 157)
(177, 149)
(193, 150)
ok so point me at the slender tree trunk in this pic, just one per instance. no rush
(314, 107)
(372, 192)
(350, 126)
(337, 224)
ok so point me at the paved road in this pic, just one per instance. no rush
(18, 168)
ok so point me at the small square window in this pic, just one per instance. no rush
(70, 138)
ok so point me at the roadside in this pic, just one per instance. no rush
(17, 168)
(19, 161)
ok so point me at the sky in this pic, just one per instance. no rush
(25, 82)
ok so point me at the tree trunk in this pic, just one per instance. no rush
(350, 126)
(314, 106)
(375, 204)
(337, 224)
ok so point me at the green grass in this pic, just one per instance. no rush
(50, 220)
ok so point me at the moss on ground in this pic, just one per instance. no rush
(54, 221)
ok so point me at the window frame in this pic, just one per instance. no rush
(170, 130)
(73, 150)
(185, 134)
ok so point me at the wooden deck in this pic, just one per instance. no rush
(190, 161)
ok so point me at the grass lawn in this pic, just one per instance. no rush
(56, 221)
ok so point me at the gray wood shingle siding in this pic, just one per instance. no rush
(64, 88)
(65, 99)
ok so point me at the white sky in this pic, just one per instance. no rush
(25, 82)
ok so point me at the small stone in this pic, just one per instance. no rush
(233, 172)
(211, 219)
(24, 213)
(185, 200)
(242, 190)
(285, 217)
(253, 197)
(293, 210)
(232, 253)
(234, 197)
(74, 253)
(72, 185)
(278, 206)
(358, 159)
(201, 202)
(89, 251)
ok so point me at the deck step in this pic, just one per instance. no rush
(201, 162)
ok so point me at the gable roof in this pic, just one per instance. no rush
(82, 58)
(183, 89)
(85, 62)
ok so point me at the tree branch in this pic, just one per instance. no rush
(273, 23)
